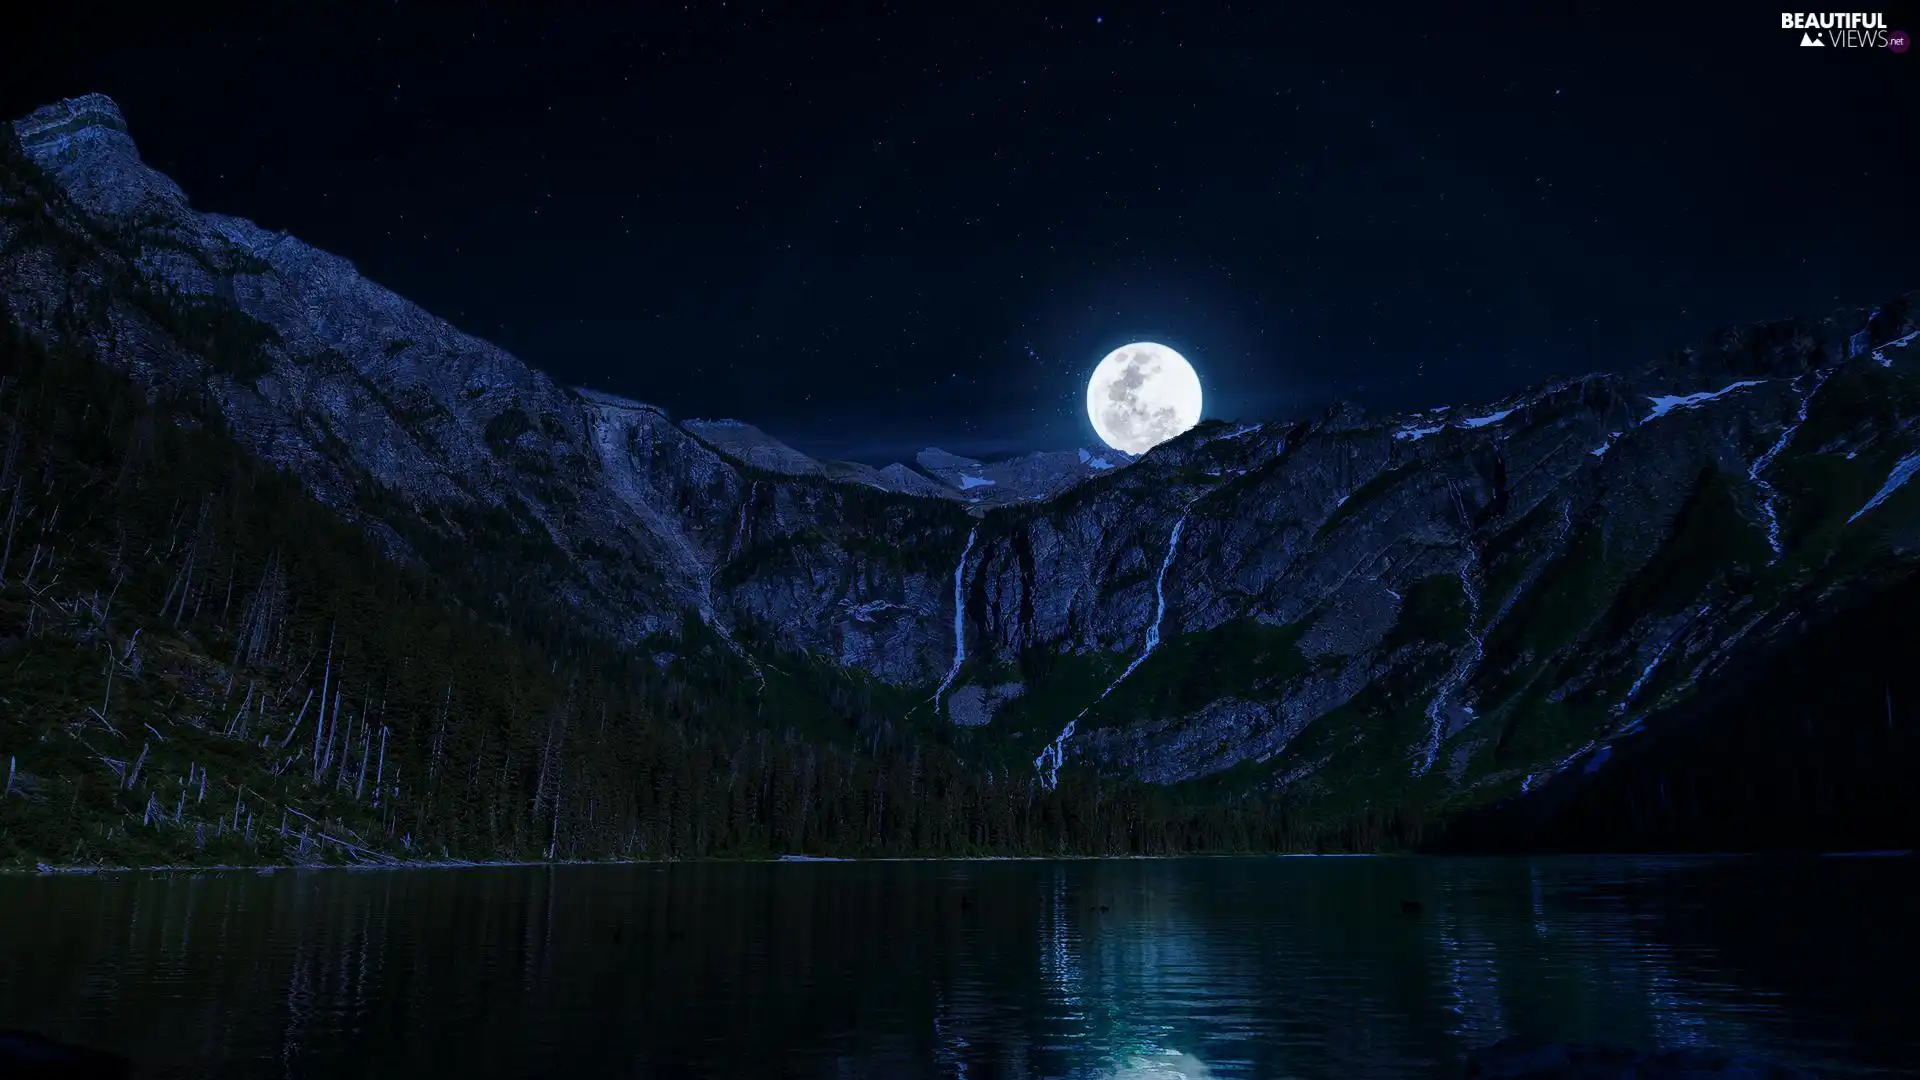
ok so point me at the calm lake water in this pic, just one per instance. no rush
(1303, 967)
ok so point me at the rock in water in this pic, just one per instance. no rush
(1517, 1059)
(27, 1056)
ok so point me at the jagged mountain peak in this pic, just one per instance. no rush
(1777, 348)
(85, 141)
(1344, 415)
(935, 458)
(69, 116)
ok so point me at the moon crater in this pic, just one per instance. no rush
(1141, 395)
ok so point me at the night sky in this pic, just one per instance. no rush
(923, 224)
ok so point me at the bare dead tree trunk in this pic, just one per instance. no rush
(366, 748)
(332, 738)
(296, 720)
(265, 612)
(13, 521)
(380, 771)
(134, 775)
(320, 725)
(226, 605)
(333, 731)
(107, 699)
(183, 582)
(234, 724)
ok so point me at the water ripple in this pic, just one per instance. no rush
(1136, 969)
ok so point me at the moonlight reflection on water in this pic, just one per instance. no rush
(1088, 970)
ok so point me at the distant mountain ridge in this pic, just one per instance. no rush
(1433, 609)
(1025, 478)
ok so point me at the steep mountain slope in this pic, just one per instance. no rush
(199, 663)
(1355, 612)
(1811, 743)
(356, 390)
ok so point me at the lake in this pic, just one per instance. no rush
(1278, 967)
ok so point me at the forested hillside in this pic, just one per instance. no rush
(199, 664)
(1813, 745)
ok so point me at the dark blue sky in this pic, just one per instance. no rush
(873, 228)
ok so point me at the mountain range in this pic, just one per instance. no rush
(1347, 613)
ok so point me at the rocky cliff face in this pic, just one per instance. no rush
(1460, 601)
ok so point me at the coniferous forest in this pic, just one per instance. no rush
(203, 665)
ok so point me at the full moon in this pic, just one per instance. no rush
(1141, 395)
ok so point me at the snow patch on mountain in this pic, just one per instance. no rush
(1488, 419)
(1903, 471)
(1880, 354)
(1666, 403)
